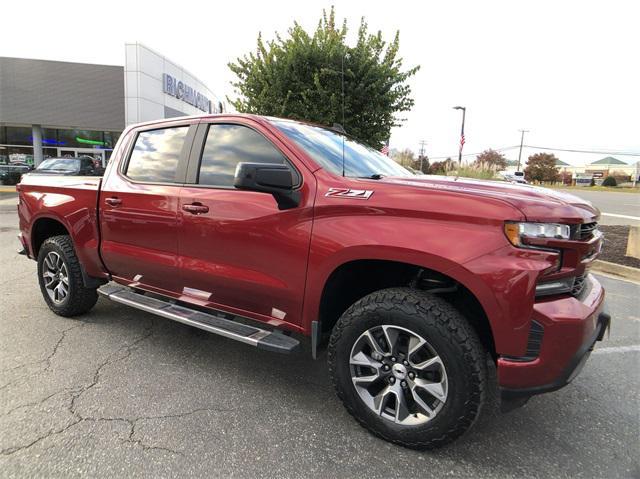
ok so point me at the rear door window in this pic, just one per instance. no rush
(156, 155)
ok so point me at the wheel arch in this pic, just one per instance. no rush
(351, 280)
(45, 227)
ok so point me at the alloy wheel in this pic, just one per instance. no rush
(56, 277)
(398, 375)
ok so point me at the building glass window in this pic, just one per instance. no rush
(13, 154)
(3, 135)
(111, 138)
(49, 137)
(19, 135)
(49, 153)
(81, 138)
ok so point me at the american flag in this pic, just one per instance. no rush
(461, 141)
(385, 149)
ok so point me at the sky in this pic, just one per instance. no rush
(568, 71)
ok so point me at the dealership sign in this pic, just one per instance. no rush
(184, 92)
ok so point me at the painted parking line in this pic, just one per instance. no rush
(628, 217)
(617, 349)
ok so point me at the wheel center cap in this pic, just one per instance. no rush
(399, 371)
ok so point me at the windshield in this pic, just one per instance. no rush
(325, 147)
(59, 164)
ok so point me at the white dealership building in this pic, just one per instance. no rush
(52, 108)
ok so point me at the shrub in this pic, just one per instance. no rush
(472, 172)
(610, 181)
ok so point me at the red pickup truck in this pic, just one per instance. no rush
(255, 228)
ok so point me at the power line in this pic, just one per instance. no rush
(474, 154)
(570, 150)
(597, 152)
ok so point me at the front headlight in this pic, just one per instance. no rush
(517, 233)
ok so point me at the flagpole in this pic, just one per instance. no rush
(464, 112)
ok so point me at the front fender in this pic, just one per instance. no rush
(438, 245)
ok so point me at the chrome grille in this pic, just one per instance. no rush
(578, 285)
(585, 231)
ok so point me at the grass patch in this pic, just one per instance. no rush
(471, 172)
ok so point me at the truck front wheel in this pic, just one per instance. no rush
(60, 277)
(409, 367)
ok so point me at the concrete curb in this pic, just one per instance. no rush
(624, 272)
(7, 189)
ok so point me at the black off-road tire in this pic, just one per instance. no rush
(79, 299)
(451, 336)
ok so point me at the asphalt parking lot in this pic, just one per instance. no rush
(617, 208)
(121, 393)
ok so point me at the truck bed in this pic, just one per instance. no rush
(70, 200)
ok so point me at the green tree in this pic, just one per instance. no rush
(491, 160)
(542, 167)
(422, 164)
(441, 167)
(300, 77)
(405, 157)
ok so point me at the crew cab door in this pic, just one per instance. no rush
(138, 207)
(238, 251)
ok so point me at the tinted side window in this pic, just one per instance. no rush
(228, 145)
(155, 155)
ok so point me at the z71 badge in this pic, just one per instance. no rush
(348, 193)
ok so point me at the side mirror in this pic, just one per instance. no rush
(273, 178)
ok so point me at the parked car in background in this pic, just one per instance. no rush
(11, 174)
(515, 177)
(23, 164)
(80, 166)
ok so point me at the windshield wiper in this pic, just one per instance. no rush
(375, 176)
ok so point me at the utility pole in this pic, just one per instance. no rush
(521, 143)
(422, 143)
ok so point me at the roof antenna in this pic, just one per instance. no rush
(343, 55)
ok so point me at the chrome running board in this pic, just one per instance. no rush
(260, 338)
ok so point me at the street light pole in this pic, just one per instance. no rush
(521, 143)
(464, 112)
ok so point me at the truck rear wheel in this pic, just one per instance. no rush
(60, 277)
(409, 367)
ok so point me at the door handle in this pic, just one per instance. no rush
(113, 201)
(195, 208)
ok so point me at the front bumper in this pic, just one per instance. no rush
(572, 326)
